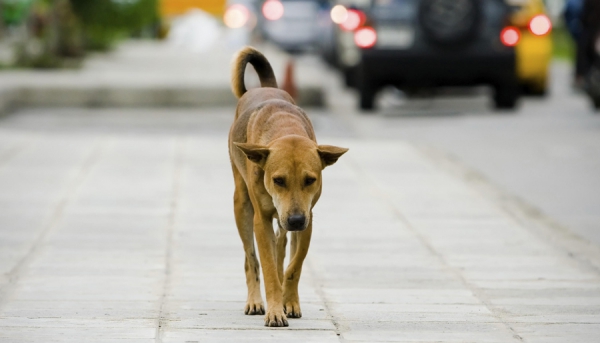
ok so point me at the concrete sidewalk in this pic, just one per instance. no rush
(130, 237)
(147, 74)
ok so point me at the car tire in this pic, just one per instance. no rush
(534, 90)
(505, 97)
(592, 85)
(596, 103)
(367, 98)
(350, 77)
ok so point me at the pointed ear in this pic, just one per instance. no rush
(255, 153)
(330, 154)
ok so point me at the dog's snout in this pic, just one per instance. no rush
(296, 222)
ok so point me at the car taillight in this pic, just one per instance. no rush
(354, 20)
(236, 16)
(339, 14)
(365, 37)
(540, 25)
(510, 36)
(273, 9)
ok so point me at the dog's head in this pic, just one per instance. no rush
(292, 175)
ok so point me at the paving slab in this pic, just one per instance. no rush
(129, 236)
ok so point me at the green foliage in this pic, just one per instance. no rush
(104, 21)
(59, 31)
(14, 12)
(563, 44)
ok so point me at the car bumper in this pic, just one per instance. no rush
(417, 70)
(533, 57)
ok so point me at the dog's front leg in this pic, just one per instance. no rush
(291, 300)
(265, 238)
(281, 244)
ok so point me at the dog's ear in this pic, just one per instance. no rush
(255, 153)
(330, 154)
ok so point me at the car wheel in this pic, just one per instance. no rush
(596, 103)
(350, 77)
(367, 96)
(505, 97)
(534, 90)
(592, 85)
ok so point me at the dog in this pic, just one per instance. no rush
(277, 166)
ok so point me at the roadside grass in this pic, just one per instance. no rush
(563, 45)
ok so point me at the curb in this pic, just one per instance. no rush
(73, 96)
(7, 101)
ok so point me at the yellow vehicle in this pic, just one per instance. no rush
(534, 49)
(171, 8)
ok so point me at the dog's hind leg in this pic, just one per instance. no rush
(244, 214)
(281, 244)
(299, 249)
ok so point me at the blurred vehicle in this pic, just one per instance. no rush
(414, 44)
(592, 77)
(293, 25)
(534, 49)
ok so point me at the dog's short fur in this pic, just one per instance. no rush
(277, 168)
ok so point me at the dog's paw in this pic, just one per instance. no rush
(253, 308)
(292, 309)
(275, 318)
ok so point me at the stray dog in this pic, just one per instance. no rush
(277, 168)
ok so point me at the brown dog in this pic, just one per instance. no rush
(277, 168)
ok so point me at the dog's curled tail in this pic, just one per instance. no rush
(260, 64)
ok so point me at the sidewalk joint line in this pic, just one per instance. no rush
(321, 294)
(161, 319)
(14, 274)
(521, 212)
(476, 291)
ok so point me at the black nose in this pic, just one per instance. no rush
(296, 222)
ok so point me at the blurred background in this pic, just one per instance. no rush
(408, 46)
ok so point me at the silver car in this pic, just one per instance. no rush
(292, 24)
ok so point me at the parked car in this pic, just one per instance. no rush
(592, 77)
(414, 44)
(534, 49)
(293, 25)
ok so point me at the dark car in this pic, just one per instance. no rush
(592, 75)
(414, 44)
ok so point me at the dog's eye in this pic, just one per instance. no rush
(309, 181)
(279, 181)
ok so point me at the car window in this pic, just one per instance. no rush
(394, 9)
(388, 3)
